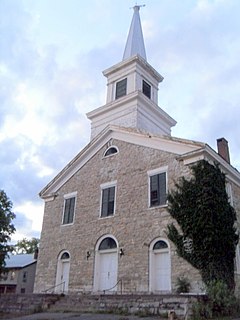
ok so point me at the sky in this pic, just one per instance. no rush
(52, 54)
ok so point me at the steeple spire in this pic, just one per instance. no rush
(135, 43)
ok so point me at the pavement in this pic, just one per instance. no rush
(83, 316)
(78, 316)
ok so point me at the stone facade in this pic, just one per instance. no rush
(69, 257)
(134, 224)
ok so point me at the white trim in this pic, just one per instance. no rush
(237, 259)
(186, 150)
(156, 240)
(108, 184)
(98, 254)
(104, 186)
(70, 195)
(112, 154)
(104, 237)
(58, 279)
(212, 156)
(157, 171)
(151, 261)
(229, 192)
(153, 173)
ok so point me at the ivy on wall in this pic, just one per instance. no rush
(205, 235)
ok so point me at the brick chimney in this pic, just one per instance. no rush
(223, 150)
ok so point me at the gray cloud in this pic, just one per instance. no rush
(196, 49)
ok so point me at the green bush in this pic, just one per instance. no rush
(219, 301)
(183, 285)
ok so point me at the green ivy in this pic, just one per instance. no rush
(205, 235)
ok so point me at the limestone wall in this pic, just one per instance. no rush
(134, 224)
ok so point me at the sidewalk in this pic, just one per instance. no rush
(83, 316)
(78, 316)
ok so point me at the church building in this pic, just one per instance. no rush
(105, 217)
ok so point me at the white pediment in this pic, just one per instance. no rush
(132, 136)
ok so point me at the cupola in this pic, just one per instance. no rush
(132, 90)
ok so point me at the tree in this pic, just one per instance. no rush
(27, 245)
(6, 227)
(205, 236)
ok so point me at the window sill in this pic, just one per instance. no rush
(158, 207)
(67, 224)
(107, 217)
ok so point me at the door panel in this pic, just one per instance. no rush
(162, 271)
(108, 271)
(65, 275)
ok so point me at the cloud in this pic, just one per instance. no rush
(50, 78)
(43, 105)
(28, 221)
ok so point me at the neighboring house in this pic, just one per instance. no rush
(106, 212)
(19, 275)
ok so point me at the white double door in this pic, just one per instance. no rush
(161, 271)
(107, 271)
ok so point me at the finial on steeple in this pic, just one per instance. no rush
(135, 43)
(138, 6)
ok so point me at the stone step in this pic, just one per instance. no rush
(130, 304)
(122, 304)
(26, 303)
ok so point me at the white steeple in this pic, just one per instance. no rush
(135, 42)
(132, 91)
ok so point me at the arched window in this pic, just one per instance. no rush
(110, 151)
(160, 245)
(65, 256)
(107, 243)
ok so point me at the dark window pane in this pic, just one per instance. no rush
(65, 255)
(146, 89)
(160, 245)
(24, 276)
(154, 190)
(162, 187)
(110, 151)
(108, 197)
(121, 88)
(69, 210)
(107, 243)
(158, 189)
(104, 203)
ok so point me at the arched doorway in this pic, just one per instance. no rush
(63, 268)
(160, 266)
(106, 264)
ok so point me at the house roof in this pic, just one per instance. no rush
(19, 260)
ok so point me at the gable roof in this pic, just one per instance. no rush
(19, 260)
(186, 150)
